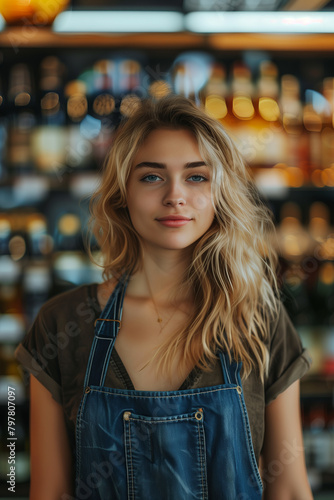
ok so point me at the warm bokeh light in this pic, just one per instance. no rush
(295, 176)
(129, 104)
(37, 12)
(269, 109)
(216, 107)
(159, 89)
(243, 108)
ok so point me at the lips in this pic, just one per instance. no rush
(174, 217)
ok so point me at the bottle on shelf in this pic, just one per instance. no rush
(294, 244)
(252, 116)
(313, 123)
(241, 110)
(100, 122)
(183, 83)
(49, 139)
(39, 242)
(22, 119)
(79, 147)
(68, 233)
(215, 93)
(266, 130)
(327, 135)
(3, 134)
(319, 224)
(297, 153)
(131, 89)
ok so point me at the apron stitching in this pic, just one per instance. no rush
(163, 421)
(79, 434)
(226, 370)
(128, 459)
(106, 362)
(236, 374)
(90, 362)
(131, 464)
(205, 493)
(163, 397)
(201, 457)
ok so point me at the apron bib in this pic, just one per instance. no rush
(161, 445)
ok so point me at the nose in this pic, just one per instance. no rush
(174, 195)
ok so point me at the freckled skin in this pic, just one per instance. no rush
(172, 190)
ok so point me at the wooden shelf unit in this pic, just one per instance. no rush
(31, 36)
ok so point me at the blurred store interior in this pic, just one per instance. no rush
(69, 70)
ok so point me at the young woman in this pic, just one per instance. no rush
(179, 374)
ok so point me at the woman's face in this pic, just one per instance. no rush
(169, 178)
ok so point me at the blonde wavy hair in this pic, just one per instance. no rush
(233, 266)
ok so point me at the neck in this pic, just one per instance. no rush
(163, 273)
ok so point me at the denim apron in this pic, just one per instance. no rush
(161, 445)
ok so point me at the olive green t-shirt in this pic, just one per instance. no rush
(57, 347)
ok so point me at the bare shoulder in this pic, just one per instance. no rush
(104, 290)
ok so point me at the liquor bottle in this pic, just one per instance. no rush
(241, 111)
(79, 147)
(68, 235)
(100, 123)
(12, 250)
(129, 77)
(3, 134)
(292, 122)
(294, 245)
(183, 80)
(39, 242)
(18, 242)
(49, 139)
(313, 123)
(319, 224)
(130, 86)
(266, 130)
(22, 119)
(327, 133)
(328, 93)
(294, 239)
(215, 92)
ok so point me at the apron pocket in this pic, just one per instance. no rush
(165, 456)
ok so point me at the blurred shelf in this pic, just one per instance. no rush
(285, 43)
(317, 385)
(31, 36)
(38, 37)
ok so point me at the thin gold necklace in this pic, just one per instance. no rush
(159, 318)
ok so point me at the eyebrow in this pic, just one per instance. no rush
(153, 164)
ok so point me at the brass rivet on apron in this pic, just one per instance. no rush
(199, 414)
(87, 390)
(126, 415)
(239, 390)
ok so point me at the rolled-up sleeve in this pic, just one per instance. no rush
(289, 361)
(38, 355)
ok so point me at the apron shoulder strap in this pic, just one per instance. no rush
(106, 330)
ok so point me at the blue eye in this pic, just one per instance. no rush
(146, 178)
(200, 176)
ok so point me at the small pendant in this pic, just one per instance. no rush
(159, 320)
